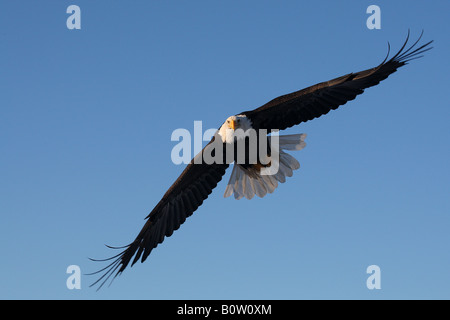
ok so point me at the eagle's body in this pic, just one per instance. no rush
(251, 175)
(259, 164)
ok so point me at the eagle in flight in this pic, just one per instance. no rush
(251, 175)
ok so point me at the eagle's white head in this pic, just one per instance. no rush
(228, 129)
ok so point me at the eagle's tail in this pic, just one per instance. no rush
(251, 181)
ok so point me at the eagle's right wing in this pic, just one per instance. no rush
(185, 195)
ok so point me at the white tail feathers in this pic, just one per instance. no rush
(292, 141)
(250, 182)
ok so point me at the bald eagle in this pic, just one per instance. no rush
(200, 177)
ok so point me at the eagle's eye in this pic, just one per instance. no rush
(239, 120)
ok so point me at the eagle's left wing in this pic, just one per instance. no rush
(315, 101)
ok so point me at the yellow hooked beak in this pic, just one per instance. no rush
(233, 124)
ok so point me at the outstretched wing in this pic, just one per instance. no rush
(307, 104)
(188, 192)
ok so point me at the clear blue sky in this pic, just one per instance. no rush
(86, 118)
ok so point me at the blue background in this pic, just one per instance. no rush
(86, 118)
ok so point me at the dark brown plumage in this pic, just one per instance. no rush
(198, 180)
(312, 102)
(187, 193)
